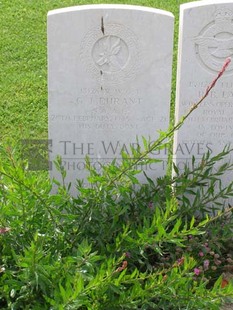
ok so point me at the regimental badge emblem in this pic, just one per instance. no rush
(112, 57)
(215, 42)
(110, 54)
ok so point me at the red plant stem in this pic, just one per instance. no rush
(226, 64)
(170, 133)
(212, 84)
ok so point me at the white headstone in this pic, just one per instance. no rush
(109, 81)
(205, 41)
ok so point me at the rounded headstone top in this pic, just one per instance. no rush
(110, 7)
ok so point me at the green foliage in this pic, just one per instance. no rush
(119, 244)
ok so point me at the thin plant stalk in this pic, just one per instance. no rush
(177, 126)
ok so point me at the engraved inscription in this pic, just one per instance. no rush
(110, 54)
(216, 116)
(215, 42)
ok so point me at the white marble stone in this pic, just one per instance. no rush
(205, 41)
(109, 81)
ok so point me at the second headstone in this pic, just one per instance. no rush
(205, 42)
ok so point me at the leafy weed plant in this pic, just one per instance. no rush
(118, 244)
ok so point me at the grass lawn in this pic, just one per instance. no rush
(23, 70)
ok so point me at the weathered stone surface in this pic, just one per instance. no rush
(109, 81)
(205, 41)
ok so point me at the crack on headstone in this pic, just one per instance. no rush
(101, 73)
(102, 25)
